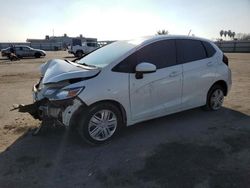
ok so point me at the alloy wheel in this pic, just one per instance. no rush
(217, 99)
(102, 125)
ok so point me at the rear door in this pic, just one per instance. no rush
(198, 72)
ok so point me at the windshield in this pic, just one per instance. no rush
(107, 54)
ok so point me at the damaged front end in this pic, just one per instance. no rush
(58, 106)
(56, 94)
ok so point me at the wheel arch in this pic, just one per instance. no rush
(223, 84)
(118, 105)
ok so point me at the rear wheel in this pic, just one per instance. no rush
(101, 123)
(37, 55)
(215, 98)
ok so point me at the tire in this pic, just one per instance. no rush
(215, 98)
(37, 55)
(100, 123)
(79, 54)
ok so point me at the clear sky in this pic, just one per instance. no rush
(114, 19)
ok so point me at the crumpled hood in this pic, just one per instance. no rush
(57, 70)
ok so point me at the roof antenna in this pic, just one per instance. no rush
(189, 32)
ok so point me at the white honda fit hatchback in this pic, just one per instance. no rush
(127, 82)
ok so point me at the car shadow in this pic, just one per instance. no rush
(61, 159)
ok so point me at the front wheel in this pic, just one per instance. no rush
(215, 98)
(100, 123)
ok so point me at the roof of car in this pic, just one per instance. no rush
(149, 39)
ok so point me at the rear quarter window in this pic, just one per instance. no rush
(209, 48)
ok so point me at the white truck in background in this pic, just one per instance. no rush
(81, 46)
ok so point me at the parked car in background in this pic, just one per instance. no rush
(23, 51)
(80, 47)
(127, 82)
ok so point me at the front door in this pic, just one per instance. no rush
(157, 93)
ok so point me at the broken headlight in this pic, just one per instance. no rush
(62, 94)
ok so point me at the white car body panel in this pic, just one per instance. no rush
(58, 70)
(164, 84)
(197, 76)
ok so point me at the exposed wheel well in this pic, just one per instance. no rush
(118, 105)
(223, 84)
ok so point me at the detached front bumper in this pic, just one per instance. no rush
(60, 111)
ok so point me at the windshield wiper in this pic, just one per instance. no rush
(79, 64)
(87, 65)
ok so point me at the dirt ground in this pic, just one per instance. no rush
(194, 148)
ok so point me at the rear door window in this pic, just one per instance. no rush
(190, 50)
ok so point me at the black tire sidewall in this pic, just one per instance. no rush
(79, 54)
(83, 126)
(37, 55)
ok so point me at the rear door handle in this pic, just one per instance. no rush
(173, 74)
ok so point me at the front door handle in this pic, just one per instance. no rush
(173, 74)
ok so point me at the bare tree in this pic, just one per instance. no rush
(243, 36)
(162, 32)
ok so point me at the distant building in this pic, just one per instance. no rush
(60, 42)
(51, 43)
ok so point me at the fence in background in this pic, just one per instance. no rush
(234, 46)
(42, 46)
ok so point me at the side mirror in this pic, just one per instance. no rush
(144, 68)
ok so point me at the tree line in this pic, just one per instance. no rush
(225, 34)
(228, 33)
(234, 36)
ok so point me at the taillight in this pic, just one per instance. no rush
(225, 59)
